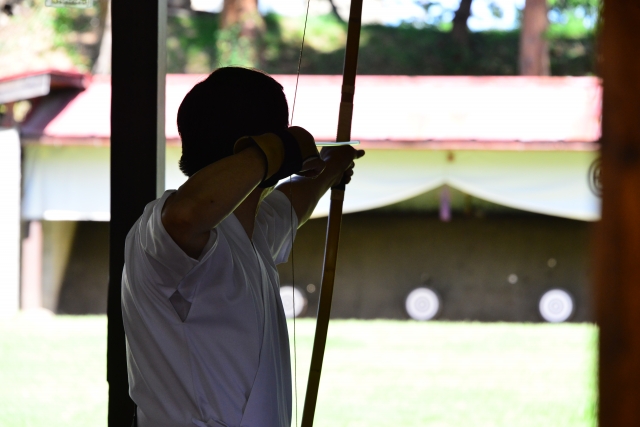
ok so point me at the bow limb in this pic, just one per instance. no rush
(334, 221)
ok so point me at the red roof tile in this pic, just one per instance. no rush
(387, 108)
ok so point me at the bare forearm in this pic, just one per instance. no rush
(305, 193)
(210, 195)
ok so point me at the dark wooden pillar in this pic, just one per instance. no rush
(137, 159)
(618, 240)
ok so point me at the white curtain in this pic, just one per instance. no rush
(72, 183)
(66, 183)
(548, 182)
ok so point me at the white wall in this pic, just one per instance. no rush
(9, 221)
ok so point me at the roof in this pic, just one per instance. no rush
(35, 84)
(390, 111)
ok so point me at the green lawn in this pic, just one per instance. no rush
(376, 373)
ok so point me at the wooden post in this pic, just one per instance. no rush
(137, 159)
(31, 287)
(617, 290)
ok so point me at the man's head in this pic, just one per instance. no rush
(231, 103)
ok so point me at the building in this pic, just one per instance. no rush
(507, 158)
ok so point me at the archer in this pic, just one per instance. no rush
(207, 340)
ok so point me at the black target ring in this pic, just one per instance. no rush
(594, 176)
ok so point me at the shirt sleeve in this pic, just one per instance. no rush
(149, 244)
(280, 223)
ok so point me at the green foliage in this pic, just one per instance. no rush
(195, 45)
(67, 20)
(68, 24)
(234, 49)
(38, 37)
(429, 51)
(410, 50)
(322, 50)
(573, 18)
(572, 57)
(590, 7)
(191, 43)
(325, 33)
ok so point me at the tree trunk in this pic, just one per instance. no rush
(240, 28)
(534, 50)
(240, 12)
(103, 62)
(460, 31)
(334, 10)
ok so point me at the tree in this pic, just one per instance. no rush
(534, 49)
(240, 28)
(460, 31)
(334, 10)
(103, 60)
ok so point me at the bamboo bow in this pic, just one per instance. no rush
(335, 216)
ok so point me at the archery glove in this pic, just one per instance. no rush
(285, 152)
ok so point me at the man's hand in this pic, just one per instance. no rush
(337, 162)
(340, 162)
(312, 167)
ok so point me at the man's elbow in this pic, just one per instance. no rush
(180, 220)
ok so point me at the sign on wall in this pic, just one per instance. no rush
(80, 4)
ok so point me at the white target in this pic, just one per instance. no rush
(293, 301)
(422, 304)
(556, 305)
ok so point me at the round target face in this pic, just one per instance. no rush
(556, 305)
(422, 304)
(293, 301)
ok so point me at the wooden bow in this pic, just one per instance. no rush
(335, 215)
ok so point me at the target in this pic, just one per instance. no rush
(423, 304)
(556, 305)
(292, 298)
(595, 177)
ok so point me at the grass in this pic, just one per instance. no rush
(376, 373)
(53, 371)
(381, 373)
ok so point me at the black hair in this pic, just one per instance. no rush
(231, 103)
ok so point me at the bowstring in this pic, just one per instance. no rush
(293, 276)
(304, 32)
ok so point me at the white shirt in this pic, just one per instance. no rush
(207, 341)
